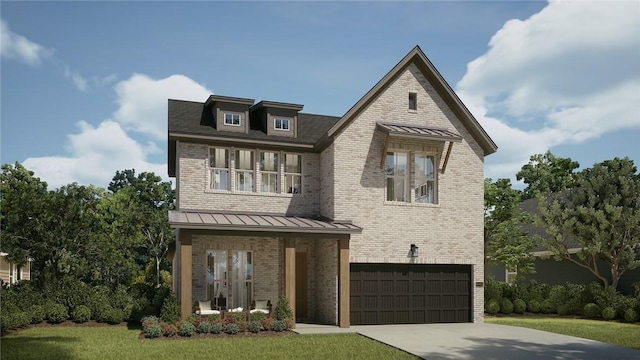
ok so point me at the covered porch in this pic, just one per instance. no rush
(233, 259)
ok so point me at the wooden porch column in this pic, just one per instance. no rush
(290, 273)
(186, 300)
(343, 284)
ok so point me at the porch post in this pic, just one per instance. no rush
(290, 273)
(186, 301)
(343, 284)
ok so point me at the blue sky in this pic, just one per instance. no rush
(84, 84)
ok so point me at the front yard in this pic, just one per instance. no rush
(120, 343)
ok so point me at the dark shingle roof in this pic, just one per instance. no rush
(191, 118)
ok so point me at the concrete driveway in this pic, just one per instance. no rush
(483, 341)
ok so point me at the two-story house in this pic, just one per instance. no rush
(375, 217)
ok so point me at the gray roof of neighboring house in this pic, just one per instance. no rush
(530, 206)
(216, 220)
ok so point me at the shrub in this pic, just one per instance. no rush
(608, 313)
(57, 313)
(283, 310)
(153, 331)
(170, 311)
(254, 326)
(99, 303)
(81, 314)
(267, 323)
(631, 316)
(168, 330)
(216, 328)
(148, 320)
(548, 307)
(187, 329)
(192, 318)
(38, 314)
(557, 296)
(120, 299)
(535, 291)
(279, 325)
(257, 316)
(563, 310)
(214, 318)
(114, 316)
(519, 306)
(69, 291)
(15, 320)
(492, 306)
(506, 306)
(492, 288)
(204, 327)
(232, 328)
(534, 306)
(591, 311)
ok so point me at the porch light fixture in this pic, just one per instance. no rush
(414, 250)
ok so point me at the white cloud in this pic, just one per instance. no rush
(18, 47)
(80, 82)
(143, 101)
(567, 74)
(94, 154)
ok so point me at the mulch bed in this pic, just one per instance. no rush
(246, 334)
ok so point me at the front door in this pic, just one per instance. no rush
(301, 286)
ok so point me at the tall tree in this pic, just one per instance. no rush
(602, 214)
(547, 173)
(505, 241)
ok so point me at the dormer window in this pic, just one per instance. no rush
(281, 124)
(232, 119)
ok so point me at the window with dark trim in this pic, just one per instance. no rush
(413, 101)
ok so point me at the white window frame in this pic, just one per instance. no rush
(217, 170)
(217, 280)
(397, 178)
(270, 173)
(425, 180)
(230, 119)
(241, 174)
(290, 175)
(279, 124)
(510, 276)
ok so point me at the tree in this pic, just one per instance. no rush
(151, 199)
(602, 215)
(547, 174)
(505, 240)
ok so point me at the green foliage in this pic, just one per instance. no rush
(631, 316)
(608, 313)
(492, 288)
(114, 316)
(534, 306)
(492, 306)
(149, 320)
(170, 311)
(548, 307)
(592, 311)
(557, 297)
(57, 313)
(279, 326)
(257, 316)
(81, 314)
(283, 310)
(547, 173)
(255, 326)
(168, 330)
(216, 328)
(121, 300)
(38, 313)
(506, 306)
(186, 329)
(232, 328)
(153, 331)
(519, 306)
(204, 327)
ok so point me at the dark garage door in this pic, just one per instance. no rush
(410, 293)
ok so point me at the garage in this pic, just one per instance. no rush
(409, 293)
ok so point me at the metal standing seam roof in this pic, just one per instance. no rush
(418, 131)
(256, 222)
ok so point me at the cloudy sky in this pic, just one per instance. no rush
(85, 84)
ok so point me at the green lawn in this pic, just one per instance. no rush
(119, 342)
(627, 335)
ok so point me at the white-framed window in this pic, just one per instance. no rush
(241, 279)
(217, 282)
(425, 178)
(281, 124)
(232, 119)
(397, 176)
(244, 170)
(269, 169)
(293, 173)
(230, 279)
(219, 168)
(511, 275)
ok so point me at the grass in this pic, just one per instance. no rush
(120, 342)
(627, 335)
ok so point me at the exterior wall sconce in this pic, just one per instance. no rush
(414, 250)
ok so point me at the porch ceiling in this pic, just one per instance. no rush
(257, 222)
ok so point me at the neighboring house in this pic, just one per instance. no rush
(375, 217)
(11, 273)
(558, 272)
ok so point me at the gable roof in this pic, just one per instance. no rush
(417, 57)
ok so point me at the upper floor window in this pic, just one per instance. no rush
(232, 119)
(219, 168)
(244, 170)
(425, 179)
(293, 173)
(281, 124)
(397, 178)
(269, 172)
(413, 101)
